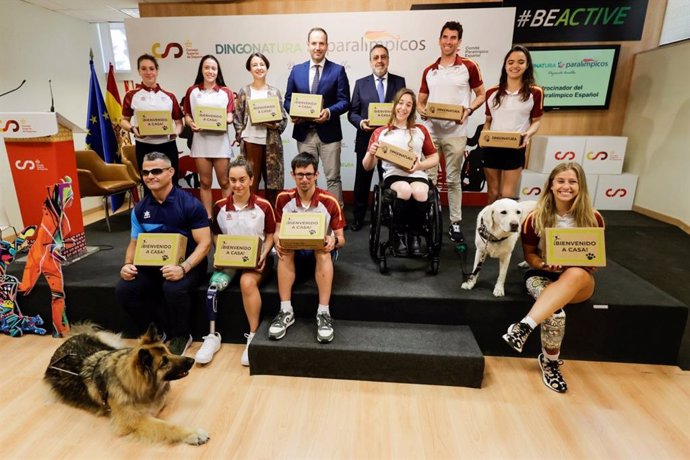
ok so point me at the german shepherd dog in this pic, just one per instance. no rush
(93, 370)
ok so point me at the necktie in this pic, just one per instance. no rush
(315, 81)
(379, 89)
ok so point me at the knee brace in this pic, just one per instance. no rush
(536, 284)
(553, 331)
(219, 281)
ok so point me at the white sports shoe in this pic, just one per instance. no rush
(245, 354)
(210, 346)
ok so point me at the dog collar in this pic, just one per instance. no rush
(487, 236)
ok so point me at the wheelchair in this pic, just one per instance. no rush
(382, 216)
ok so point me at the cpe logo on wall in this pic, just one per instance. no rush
(597, 156)
(30, 165)
(534, 191)
(178, 50)
(570, 156)
(619, 192)
(9, 125)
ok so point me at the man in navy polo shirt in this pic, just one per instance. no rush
(162, 295)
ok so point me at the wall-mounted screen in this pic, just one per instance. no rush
(575, 77)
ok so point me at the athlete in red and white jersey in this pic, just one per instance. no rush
(411, 186)
(148, 95)
(242, 214)
(516, 104)
(210, 148)
(451, 80)
(306, 197)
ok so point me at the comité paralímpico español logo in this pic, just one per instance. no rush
(618, 192)
(597, 156)
(156, 47)
(9, 125)
(531, 191)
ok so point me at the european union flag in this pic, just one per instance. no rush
(100, 135)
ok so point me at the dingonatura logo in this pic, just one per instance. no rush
(10, 125)
(597, 156)
(564, 155)
(619, 192)
(155, 50)
(531, 191)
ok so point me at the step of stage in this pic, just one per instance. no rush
(377, 351)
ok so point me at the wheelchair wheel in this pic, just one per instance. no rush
(375, 226)
(435, 234)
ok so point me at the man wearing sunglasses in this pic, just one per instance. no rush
(162, 295)
(306, 197)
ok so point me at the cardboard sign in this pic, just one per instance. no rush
(211, 118)
(303, 230)
(237, 251)
(380, 113)
(401, 158)
(575, 247)
(444, 111)
(502, 139)
(158, 249)
(154, 122)
(306, 105)
(264, 110)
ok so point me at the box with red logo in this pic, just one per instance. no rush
(548, 151)
(615, 192)
(531, 185)
(604, 154)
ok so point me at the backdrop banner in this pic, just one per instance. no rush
(411, 37)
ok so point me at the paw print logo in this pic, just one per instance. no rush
(273, 114)
(218, 124)
(312, 231)
(165, 257)
(590, 256)
(245, 258)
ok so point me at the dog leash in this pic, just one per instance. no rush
(487, 237)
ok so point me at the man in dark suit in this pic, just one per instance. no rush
(322, 136)
(380, 86)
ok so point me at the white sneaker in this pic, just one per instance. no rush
(210, 346)
(245, 354)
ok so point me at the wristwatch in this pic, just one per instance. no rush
(471, 110)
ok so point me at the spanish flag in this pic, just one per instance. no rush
(112, 98)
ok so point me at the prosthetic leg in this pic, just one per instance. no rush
(219, 282)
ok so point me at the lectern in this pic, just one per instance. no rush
(40, 150)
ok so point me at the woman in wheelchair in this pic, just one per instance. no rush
(411, 186)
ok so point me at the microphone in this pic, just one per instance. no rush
(52, 101)
(15, 89)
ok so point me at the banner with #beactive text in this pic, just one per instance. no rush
(411, 37)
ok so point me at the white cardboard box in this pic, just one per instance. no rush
(615, 192)
(604, 154)
(592, 184)
(548, 151)
(531, 184)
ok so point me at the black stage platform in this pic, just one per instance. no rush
(632, 317)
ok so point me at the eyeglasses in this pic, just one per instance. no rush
(303, 175)
(154, 171)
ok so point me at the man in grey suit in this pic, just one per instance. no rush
(380, 86)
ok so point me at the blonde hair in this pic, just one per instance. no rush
(581, 210)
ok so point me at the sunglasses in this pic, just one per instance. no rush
(154, 171)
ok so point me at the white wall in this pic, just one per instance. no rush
(39, 45)
(657, 124)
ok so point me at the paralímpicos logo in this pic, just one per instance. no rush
(569, 156)
(618, 192)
